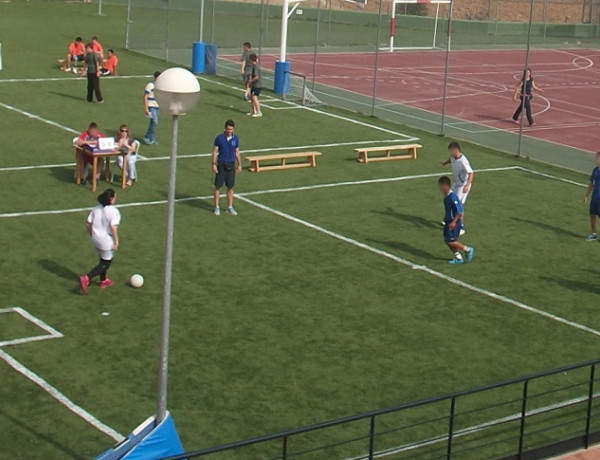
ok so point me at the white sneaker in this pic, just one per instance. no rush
(217, 212)
(256, 115)
(231, 211)
(250, 114)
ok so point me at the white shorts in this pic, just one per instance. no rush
(105, 254)
(462, 196)
(103, 248)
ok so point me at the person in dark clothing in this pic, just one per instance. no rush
(525, 87)
(92, 71)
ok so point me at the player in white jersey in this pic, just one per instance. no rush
(463, 175)
(101, 225)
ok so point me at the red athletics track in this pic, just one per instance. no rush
(480, 87)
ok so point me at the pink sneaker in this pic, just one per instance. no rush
(106, 283)
(84, 282)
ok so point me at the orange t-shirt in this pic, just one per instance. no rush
(97, 48)
(76, 49)
(111, 63)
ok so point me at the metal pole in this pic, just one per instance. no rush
(260, 30)
(523, 418)
(99, 7)
(267, 23)
(201, 27)
(451, 428)
(329, 24)
(588, 419)
(372, 439)
(496, 21)
(448, 45)
(168, 25)
(284, 26)
(376, 60)
(128, 24)
(314, 69)
(524, 74)
(163, 364)
(212, 22)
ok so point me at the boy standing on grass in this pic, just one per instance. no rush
(246, 70)
(225, 154)
(452, 226)
(255, 87)
(594, 189)
(463, 176)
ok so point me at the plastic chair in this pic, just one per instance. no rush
(137, 150)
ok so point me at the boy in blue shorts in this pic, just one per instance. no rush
(452, 223)
(595, 203)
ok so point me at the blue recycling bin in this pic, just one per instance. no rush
(198, 57)
(211, 59)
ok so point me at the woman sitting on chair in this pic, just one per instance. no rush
(129, 146)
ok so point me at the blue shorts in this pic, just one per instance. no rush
(451, 235)
(595, 208)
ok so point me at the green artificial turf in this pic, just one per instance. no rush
(300, 309)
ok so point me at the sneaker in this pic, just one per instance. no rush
(246, 97)
(84, 282)
(231, 211)
(256, 115)
(101, 102)
(250, 114)
(469, 255)
(68, 69)
(217, 212)
(106, 283)
(456, 261)
(591, 237)
(462, 232)
(147, 141)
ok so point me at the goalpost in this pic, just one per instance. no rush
(395, 3)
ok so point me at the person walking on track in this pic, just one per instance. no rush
(101, 225)
(525, 87)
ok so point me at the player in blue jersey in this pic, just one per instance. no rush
(594, 189)
(452, 223)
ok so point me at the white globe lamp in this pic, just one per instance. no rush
(177, 91)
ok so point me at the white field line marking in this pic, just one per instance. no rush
(258, 192)
(200, 155)
(473, 429)
(36, 80)
(332, 115)
(424, 268)
(37, 117)
(61, 398)
(551, 176)
(52, 391)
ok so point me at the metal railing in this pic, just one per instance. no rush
(525, 418)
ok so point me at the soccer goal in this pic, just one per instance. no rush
(298, 90)
(434, 31)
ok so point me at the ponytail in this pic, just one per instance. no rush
(105, 197)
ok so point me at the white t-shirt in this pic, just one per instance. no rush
(461, 168)
(149, 91)
(102, 218)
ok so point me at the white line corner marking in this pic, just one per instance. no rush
(51, 333)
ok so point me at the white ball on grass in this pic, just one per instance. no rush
(136, 281)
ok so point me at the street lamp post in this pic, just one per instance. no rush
(177, 91)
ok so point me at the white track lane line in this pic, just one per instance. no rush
(39, 80)
(424, 268)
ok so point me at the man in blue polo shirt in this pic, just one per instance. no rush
(452, 223)
(224, 156)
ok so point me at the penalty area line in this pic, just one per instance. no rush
(424, 268)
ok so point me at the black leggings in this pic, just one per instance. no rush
(93, 86)
(527, 110)
(100, 269)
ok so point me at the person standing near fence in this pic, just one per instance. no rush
(525, 87)
(101, 225)
(92, 71)
(151, 110)
(255, 86)
(246, 70)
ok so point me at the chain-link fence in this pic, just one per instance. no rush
(460, 83)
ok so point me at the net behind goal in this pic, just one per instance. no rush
(298, 90)
(435, 23)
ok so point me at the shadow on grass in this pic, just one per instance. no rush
(417, 221)
(80, 98)
(547, 227)
(407, 248)
(193, 202)
(574, 285)
(59, 270)
(64, 173)
(62, 448)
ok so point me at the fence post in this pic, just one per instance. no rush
(523, 416)
(451, 428)
(588, 421)
(284, 448)
(372, 439)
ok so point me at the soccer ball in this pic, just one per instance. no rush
(136, 281)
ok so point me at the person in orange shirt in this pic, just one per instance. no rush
(76, 54)
(97, 48)
(110, 64)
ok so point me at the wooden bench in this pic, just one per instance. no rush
(310, 157)
(363, 153)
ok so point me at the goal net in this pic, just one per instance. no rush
(432, 23)
(298, 90)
